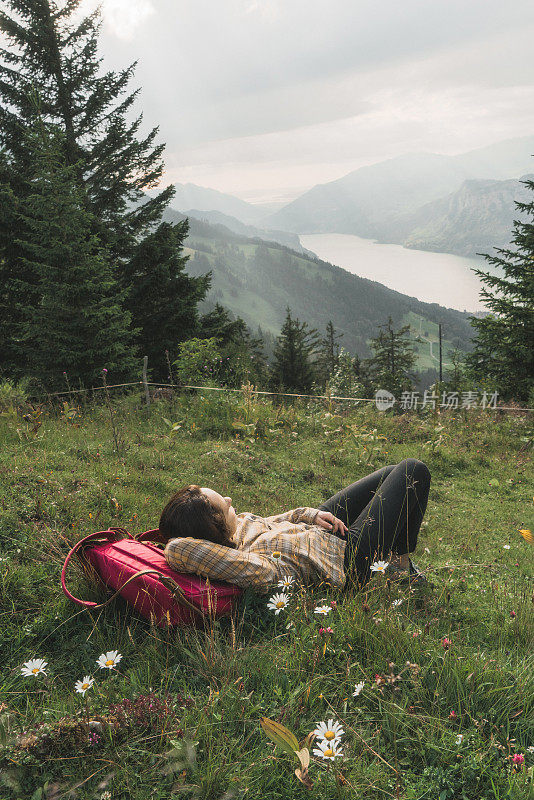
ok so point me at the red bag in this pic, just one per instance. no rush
(136, 568)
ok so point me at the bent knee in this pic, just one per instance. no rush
(415, 467)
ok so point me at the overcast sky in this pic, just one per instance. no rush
(265, 98)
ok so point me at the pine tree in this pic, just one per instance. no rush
(503, 356)
(219, 323)
(362, 375)
(49, 76)
(393, 359)
(292, 369)
(455, 380)
(77, 326)
(162, 298)
(12, 280)
(328, 354)
(242, 353)
(51, 72)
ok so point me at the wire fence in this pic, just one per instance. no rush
(176, 387)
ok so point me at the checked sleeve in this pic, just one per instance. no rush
(217, 562)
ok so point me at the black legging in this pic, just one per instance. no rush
(383, 513)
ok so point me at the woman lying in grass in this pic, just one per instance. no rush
(370, 526)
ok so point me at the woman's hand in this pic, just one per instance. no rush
(327, 520)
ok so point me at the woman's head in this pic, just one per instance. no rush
(200, 513)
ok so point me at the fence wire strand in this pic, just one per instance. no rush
(176, 387)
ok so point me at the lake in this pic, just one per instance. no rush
(432, 277)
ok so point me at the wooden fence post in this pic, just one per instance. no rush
(145, 382)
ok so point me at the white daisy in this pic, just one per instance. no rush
(276, 555)
(328, 750)
(82, 686)
(322, 610)
(286, 582)
(109, 660)
(357, 689)
(33, 667)
(328, 730)
(506, 546)
(278, 602)
(396, 603)
(379, 566)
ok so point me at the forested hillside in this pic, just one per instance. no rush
(258, 280)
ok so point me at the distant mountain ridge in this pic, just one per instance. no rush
(189, 195)
(377, 201)
(475, 219)
(251, 231)
(406, 200)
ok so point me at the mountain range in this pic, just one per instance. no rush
(460, 204)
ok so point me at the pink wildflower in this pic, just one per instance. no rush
(446, 643)
(512, 614)
(519, 758)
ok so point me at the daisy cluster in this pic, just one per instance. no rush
(328, 735)
(37, 666)
(278, 602)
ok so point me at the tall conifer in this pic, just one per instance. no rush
(162, 298)
(52, 71)
(50, 74)
(78, 325)
(292, 368)
(393, 360)
(504, 345)
(328, 357)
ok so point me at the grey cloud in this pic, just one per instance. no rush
(298, 82)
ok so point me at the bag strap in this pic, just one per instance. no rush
(109, 535)
(151, 536)
(118, 533)
(167, 581)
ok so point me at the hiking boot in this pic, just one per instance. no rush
(416, 577)
(397, 573)
(412, 576)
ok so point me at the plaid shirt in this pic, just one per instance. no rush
(308, 552)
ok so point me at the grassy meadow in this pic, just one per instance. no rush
(448, 673)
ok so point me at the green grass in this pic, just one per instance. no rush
(400, 738)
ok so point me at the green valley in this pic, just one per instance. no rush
(257, 280)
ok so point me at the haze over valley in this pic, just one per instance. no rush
(377, 221)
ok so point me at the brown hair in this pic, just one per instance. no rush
(190, 513)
